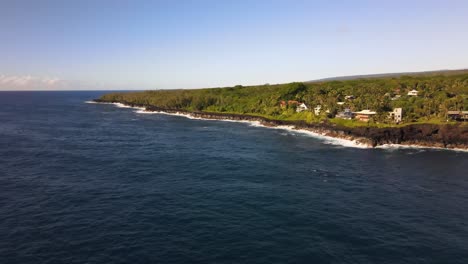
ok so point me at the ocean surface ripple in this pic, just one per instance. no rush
(94, 183)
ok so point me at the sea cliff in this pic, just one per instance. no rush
(451, 136)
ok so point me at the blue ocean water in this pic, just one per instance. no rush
(93, 183)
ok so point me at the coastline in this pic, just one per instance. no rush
(425, 136)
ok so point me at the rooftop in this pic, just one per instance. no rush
(366, 112)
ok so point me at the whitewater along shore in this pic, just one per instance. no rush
(419, 135)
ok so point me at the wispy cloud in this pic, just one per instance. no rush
(28, 82)
(38, 83)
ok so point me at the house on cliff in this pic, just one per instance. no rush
(317, 110)
(396, 115)
(288, 103)
(301, 107)
(346, 114)
(413, 93)
(364, 115)
(457, 115)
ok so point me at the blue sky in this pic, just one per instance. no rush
(187, 44)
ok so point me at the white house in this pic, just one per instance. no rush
(413, 93)
(397, 115)
(317, 109)
(301, 107)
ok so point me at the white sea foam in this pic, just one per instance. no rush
(93, 102)
(120, 105)
(144, 111)
(325, 139)
(402, 146)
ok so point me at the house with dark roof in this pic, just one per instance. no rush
(346, 114)
(457, 115)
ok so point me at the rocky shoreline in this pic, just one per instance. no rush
(420, 135)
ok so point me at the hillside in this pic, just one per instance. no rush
(394, 75)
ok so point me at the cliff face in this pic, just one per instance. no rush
(430, 135)
(446, 136)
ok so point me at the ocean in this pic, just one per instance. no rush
(96, 183)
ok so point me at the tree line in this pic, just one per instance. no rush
(437, 95)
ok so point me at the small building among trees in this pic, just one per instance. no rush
(317, 110)
(301, 107)
(413, 93)
(397, 115)
(298, 105)
(346, 114)
(457, 115)
(364, 115)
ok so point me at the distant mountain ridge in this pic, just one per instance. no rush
(391, 75)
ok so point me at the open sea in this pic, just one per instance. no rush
(95, 183)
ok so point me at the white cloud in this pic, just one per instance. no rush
(28, 82)
(34, 83)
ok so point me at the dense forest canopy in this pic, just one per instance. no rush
(437, 94)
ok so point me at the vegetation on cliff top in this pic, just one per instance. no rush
(437, 95)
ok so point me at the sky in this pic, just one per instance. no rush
(168, 44)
